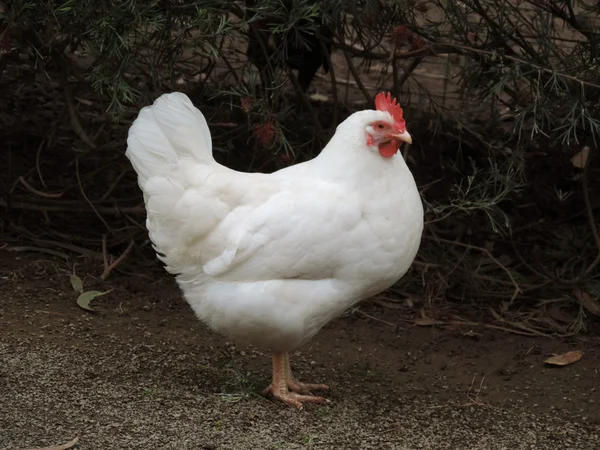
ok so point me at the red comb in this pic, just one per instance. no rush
(385, 102)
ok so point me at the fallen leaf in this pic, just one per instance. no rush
(496, 315)
(580, 159)
(85, 101)
(52, 313)
(388, 304)
(564, 359)
(471, 334)
(506, 114)
(86, 298)
(559, 315)
(76, 283)
(587, 301)
(319, 98)
(427, 322)
(66, 446)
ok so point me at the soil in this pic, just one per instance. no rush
(143, 372)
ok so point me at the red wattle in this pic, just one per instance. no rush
(388, 149)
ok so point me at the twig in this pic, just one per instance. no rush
(66, 446)
(590, 214)
(114, 184)
(438, 49)
(104, 254)
(135, 223)
(360, 53)
(304, 100)
(334, 92)
(86, 197)
(71, 247)
(529, 332)
(115, 211)
(571, 19)
(488, 254)
(517, 325)
(475, 400)
(50, 313)
(40, 193)
(395, 325)
(519, 254)
(75, 123)
(512, 330)
(212, 65)
(37, 162)
(26, 248)
(454, 48)
(408, 72)
(346, 82)
(356, 76)
(395, 77)
(108, 268)
(231, 69)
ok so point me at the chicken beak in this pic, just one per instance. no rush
(404, 137)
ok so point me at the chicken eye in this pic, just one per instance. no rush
(380, 126)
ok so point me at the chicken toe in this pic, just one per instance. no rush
(297, 386)
(283, 394)
(288, 390)
(304, 388)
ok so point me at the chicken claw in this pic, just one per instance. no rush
(287, 389)
(282, 393)
(305, 388)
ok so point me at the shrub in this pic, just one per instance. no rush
(501, 95)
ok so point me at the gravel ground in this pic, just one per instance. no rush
(148, 397)
(143, 373)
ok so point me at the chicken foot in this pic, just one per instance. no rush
(287, 389)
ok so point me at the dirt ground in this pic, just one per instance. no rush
(143, 373)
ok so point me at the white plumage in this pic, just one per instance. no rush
(269, 259)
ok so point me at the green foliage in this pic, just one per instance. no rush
(526, 71)
(122, 38)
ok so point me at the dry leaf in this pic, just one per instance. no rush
(496, 315)
(66, 446)
(580, 159)
(565, 359)
(506, 114)
(427, 322)
(319, 98)
(84, 101)
(388, 304)
(587, 301)
(559, 315)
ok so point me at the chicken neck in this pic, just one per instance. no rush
(287, 389)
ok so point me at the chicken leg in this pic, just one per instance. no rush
(286, 388)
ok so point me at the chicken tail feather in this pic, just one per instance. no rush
(170, 130)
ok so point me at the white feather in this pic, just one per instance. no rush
(270, 259)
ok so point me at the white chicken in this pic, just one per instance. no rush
(269, 259)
